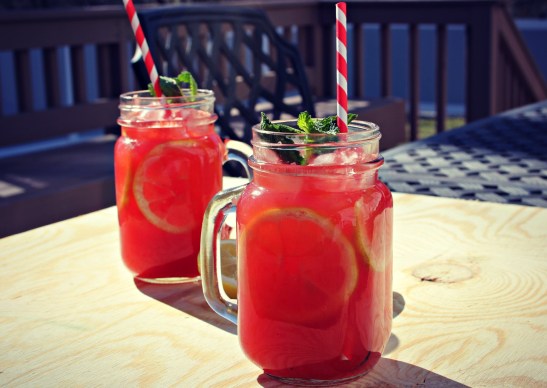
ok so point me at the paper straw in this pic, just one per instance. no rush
(141, 41)
(341, 68)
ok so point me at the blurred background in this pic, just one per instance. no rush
(530, 17)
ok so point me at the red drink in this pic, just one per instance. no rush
(168, 165)
(314, 240)
(314, 283)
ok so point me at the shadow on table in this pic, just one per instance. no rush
(387, 373)
(186, 297)
(398, 304)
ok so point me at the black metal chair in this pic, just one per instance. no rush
(502, 158)
(234, 51)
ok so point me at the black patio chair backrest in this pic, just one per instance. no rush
(234, 51)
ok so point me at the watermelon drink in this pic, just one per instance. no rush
(314, 231)
(168, 165)
(314, 291)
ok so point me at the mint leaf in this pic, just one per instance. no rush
(169, 87)
(267, 125)
(305, 122)
(172, 87)
(151, 90)
(288, 156)
(351, 117)
(328, 125)
(187, 78)
(306, 125)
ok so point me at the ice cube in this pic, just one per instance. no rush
(327, 159)
(266, 155)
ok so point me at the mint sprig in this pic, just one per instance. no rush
(173, 87)
(288, 156)
(186, 77)
(305, 125)
(326, 125)
(267, 125)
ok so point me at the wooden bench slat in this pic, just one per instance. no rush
(32, 29)
(56, 184)
(358, 61)
(24, 81)
(385, 59)
(121, 84)
(79, 74)
(42, 125)
(52, 78)
(414, 76)
(441, 77)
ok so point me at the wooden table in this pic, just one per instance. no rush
(470, 293)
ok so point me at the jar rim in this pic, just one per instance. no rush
(142, 99)
(138, 109)
(360, 145)
(324, 170)
(358, 131)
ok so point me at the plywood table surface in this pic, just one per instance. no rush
(470, 294)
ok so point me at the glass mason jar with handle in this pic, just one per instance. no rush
(314, 255)
(168, 165)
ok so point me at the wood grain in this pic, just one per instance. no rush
(71, 315)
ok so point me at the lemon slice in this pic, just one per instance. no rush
(123, 190)
(161, 185)
(371, 231)
(297, 265)
(229, 267)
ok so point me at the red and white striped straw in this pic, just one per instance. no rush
(141, 41)
(341, 68)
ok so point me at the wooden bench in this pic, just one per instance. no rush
(62, 73)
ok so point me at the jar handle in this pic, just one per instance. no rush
(239, 152)
(219, 207)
